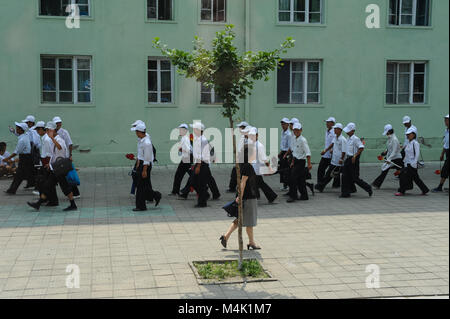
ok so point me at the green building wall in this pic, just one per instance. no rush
(119, 39)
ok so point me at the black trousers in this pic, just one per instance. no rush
(284, 169)
(47, 182)
(24, 172)
(200, 183)
(183, 169)
(409, 175)
(321, 172)
(380, 179)
(350, 177)
(233, 180)
(298, 180)
(213, 186)
(268, 192)
(328, 177)
(445, 168)
(144, 189)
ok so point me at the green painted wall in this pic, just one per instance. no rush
(118, 37)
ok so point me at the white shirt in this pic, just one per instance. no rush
(2, 157)
(339, 145)
(300, 147)
(446, 146)
(406, 137)
(285, 140)
(393, 148)
(329, 138)
(201, 149)
(145, 150)
(412, 153)
(186, 148)
(47, 147)
(353, 145)
(23, 144)
(260, 158)
(34, 138)
(65, 136)
(57, 153)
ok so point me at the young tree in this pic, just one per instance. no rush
(230, 74)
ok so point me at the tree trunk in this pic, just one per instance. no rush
(240, 206)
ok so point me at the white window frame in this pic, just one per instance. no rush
(305, 81)
(307, 12)
(158, 79)
(74, 91)
(413, 15)
(157, 10)
(212, 12)
(212, 92)
(411, 81)
(72, 2)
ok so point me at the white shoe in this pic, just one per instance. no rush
(36, 193)
(77, 197)
(283, 188)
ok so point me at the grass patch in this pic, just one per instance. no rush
(229, 269)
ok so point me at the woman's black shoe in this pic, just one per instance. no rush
(36, 205)
(138, 210)
(223, 241)
(157, 197)
(70, 208)
(253, 247)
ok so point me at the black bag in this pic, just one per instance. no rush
(35, 154)
(232, 209)
(62, 166)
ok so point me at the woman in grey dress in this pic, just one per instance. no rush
(249, 198)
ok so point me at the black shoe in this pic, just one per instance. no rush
(139, 210)
(291, 200)
(157, 198)
(231, 191)
(271, 201)
(70, 208)
(370, 192)
(36, 205)
(303, 198)
(223, 241)
(437, 190)
(8, 192)
(200, 206)
(344, 196)
(253, 247)
(52, 204)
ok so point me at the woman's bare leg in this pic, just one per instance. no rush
(233, 227)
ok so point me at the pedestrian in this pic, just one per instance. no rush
(35, 141)
(445, 153)
(325, 160)
(53, 149)
(301, 158)
(350, 170)
(259, 163)
(393, 156)
(409, 173)
(283, 161)
(145, 158)
(25, 166)
(40, 171)
(185, 150)
(337, 147)
(248, 197)
(243, 139)
(407, 123)
(7, 168)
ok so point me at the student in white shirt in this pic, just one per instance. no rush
(185, 150)
(325, 161)
(350, 170)
(407, 123)
(410, 173)
(393, 156)
(301, 158)
(445, 153)
(283, 162)
(144, 165)
(6, 168)
(35, 148)
(337, 147)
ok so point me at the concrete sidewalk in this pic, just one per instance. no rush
(316, 249)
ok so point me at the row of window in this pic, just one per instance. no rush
(401, 12)
(68, 79)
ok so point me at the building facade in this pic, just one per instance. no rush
(104, 74)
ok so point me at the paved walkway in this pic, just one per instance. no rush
(316, 249)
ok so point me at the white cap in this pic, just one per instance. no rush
(23, 126)
(338, 125)
(198, 126)
(411, 130)
(184, 126)
(57, 119)
(242, 124)
(251, 130)
(285, 120)
(331, 119)
(137, 123)
(297, 126)
(446, 116)
(50, 125)
(406, 119)
(29, 118)
(294, 120)
(387, 128)
(140, 128)
(39, 124)
(350, 127)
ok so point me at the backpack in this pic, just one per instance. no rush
(62, 166)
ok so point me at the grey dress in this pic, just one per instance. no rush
(250, 203)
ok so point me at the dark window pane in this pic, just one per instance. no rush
(205, 98)
(300, 5)
(390, 83)
(166, 83)
(84, 97)
(152, 64)
(419, 67)
(313, 82)
(65, 63)
(84, 11)
(49, 97)
(313, 66)
(165, 65)
(419, 98)
(299, 17)
(284, 16)
(48, 80)
(391, 67)
(152, 81)
(166, 97)
(65, 97)
(284, 5)
(394, 11)
(151, 9)
(297, 82)
(206, 4)
(165, 9)
(83, 64)
(390, 99)
(84, 81)
(314, 5)
(422, 13)
(206, 15)
(314, 18)
(65, 80)
(153, 97)
(419, 83)
(313, 98)
(403, 98)
(51, 8)
(297, 98)
(283, 83)
(48, 63)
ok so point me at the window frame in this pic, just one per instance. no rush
(157, 20)
(307, 13)
(413, 15)
(158, 79)
(305, 92)
(411, 82)
(87, 17)
(212, 94)
(75, 90)
(211, 21)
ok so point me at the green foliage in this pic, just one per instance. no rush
(231, 75)
(229, 269)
